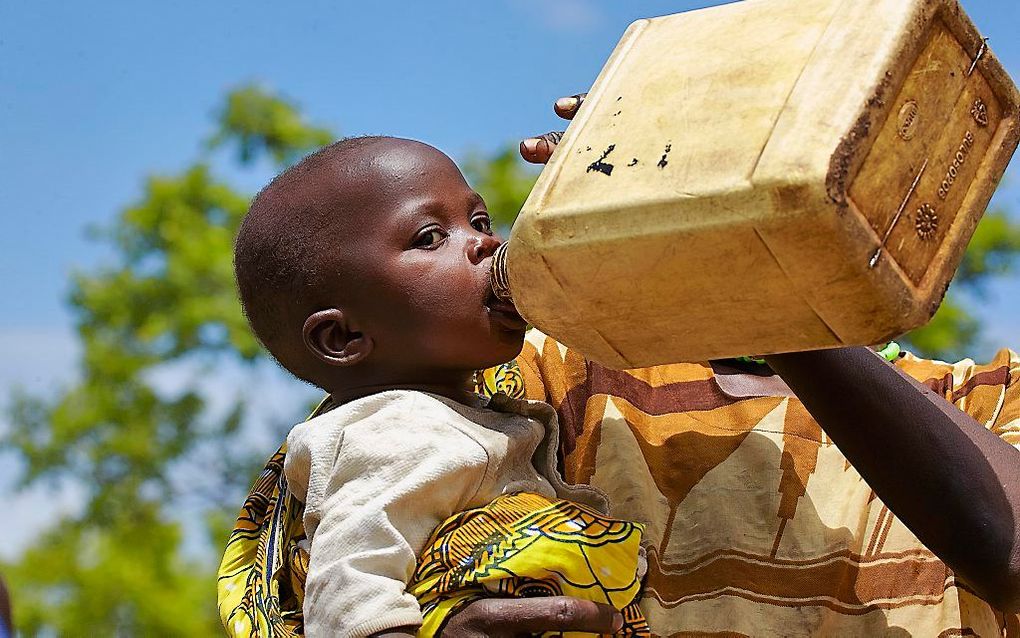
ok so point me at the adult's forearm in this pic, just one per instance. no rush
(951, 481)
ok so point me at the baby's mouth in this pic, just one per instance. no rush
(497, 304)
(504, 312)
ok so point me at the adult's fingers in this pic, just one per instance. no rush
(566, 107)
(538, 150)
(506, 617)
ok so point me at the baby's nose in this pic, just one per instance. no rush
(482, 247)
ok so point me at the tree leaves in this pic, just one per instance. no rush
(167, 300)
(257, 122)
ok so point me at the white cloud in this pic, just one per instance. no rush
(563, 15)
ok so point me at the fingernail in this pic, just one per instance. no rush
(530, 146)
(566, 103)
(617, 622)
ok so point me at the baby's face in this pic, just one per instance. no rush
(419, 266)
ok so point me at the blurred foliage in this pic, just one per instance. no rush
(123, 576)
(503, 181)
(955, 332)
(139, 453)
(259, 122)
(136, 451)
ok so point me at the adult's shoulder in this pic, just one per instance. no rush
(964, 375)
(989, 391)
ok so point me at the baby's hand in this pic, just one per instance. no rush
(538, 150)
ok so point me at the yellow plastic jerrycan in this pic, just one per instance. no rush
(765, 176)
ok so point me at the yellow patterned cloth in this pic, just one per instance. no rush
(527, 545)
(261, 580)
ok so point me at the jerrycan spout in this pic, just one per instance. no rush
(499, 280)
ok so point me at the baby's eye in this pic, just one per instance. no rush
(429, 238)
(482, 223)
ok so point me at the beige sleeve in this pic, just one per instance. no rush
(395, 475)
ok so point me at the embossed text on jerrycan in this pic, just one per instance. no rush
(765, 176)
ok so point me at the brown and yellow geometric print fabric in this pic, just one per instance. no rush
(758, 525)
(525, 545)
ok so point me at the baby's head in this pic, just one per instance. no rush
(367, 265)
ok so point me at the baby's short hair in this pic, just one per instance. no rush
(280, 247)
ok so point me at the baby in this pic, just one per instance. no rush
(364, 270)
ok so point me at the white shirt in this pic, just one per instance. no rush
(379, 474)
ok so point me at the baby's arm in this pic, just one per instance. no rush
(396, 475)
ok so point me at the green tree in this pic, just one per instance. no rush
(167, 300)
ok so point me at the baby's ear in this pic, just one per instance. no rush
(328, 336)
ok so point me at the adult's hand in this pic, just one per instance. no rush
(539, 149)
(510, 617)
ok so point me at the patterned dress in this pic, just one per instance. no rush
(758, 525)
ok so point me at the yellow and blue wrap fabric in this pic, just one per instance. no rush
(527, 545)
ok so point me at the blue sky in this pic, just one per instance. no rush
(95, 96)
